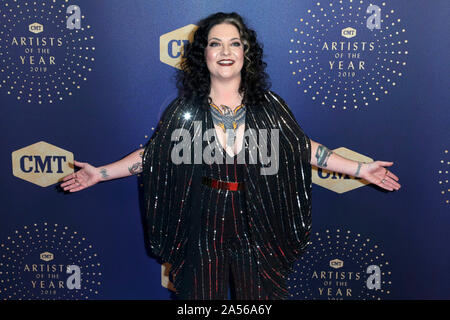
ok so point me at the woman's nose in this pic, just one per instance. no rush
(225, 49)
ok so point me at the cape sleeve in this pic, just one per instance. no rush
(279, 203)
(159, 183)
(296, 173)
(170, 188)
(302, 137)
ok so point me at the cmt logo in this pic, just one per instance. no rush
(46, 256)
(36, 27)
(42, 163)
(336, 263)
(348, 32)
(171, 44)
(338, 182)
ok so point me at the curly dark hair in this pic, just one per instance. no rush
(193, 80)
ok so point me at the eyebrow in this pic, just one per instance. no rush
(221, 40)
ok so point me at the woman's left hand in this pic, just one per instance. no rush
(376, 173)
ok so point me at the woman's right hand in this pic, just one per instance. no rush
(85, 177)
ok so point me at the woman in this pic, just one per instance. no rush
(246, 214)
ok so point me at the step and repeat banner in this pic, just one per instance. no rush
(88, 80)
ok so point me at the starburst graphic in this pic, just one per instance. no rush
(341, 59)
(335, 266)
(24, 274)
(43, 61)
(443, 177)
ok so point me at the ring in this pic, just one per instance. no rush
(382, 181)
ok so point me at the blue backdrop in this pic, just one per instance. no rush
(107, 86)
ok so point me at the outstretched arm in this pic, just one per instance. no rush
(129, 165)
(89, 175)
(373, 172)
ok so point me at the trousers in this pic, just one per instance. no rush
(224, 258)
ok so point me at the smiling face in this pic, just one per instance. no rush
(224, 52)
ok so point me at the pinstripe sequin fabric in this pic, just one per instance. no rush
(270, 234)
(224, 244)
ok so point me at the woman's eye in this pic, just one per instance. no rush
(236, 44)
(213, 44)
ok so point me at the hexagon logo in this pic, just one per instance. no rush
(172, 43)
(348, 32)
(36, 27)
(339, 182)
(46, 256)
(336, 263)
(165, 281)
(42, 163)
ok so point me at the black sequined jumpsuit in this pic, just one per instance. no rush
(224, 243)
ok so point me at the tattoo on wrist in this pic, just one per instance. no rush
(104, 174)
(357, 170)
(322, 155)
(135, 168)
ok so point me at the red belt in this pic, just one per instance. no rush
(217, 184)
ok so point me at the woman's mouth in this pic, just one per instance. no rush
(226, 62)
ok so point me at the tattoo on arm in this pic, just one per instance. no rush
(135, 168)
(322, 155)
(104, 174)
